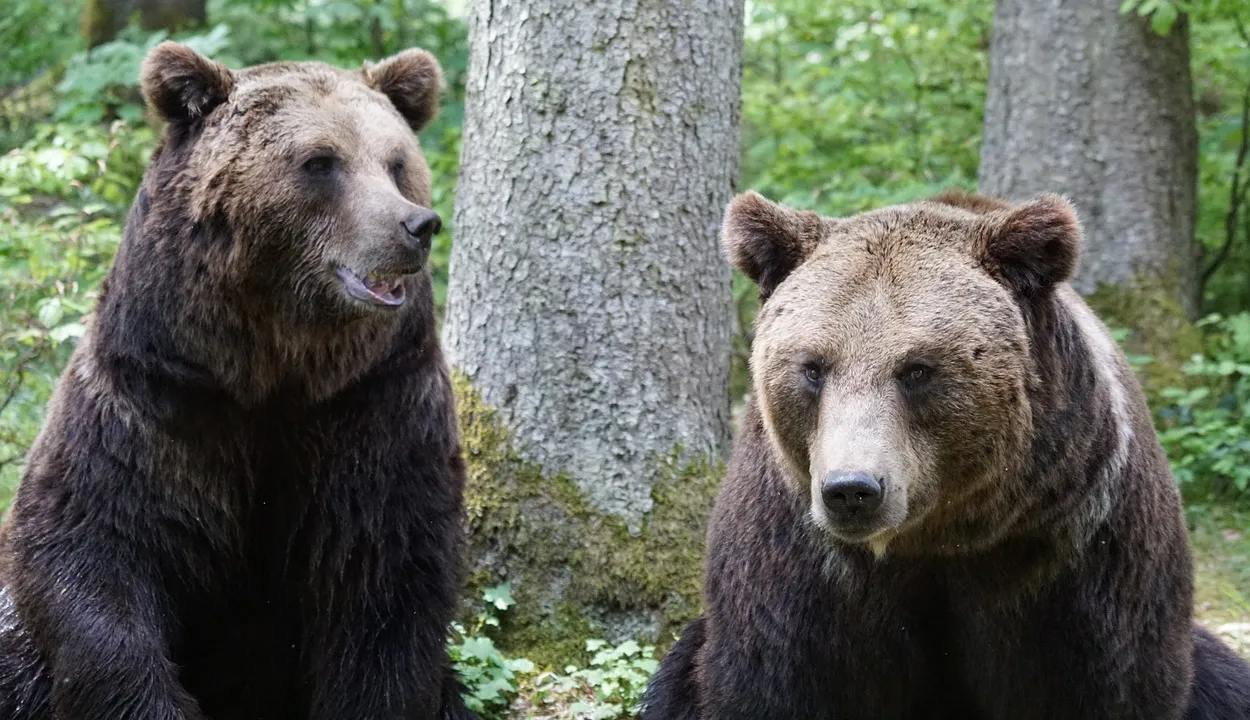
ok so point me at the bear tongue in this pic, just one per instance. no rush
(382, 286)
(378, 292)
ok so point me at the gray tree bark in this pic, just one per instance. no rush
(589, 302)
(1094, 104)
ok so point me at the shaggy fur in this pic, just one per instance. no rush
(246, 499)
(1028, 560)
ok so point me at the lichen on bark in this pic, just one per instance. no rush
(576, 572)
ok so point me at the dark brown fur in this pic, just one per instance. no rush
(246, 498)
(1029, 560)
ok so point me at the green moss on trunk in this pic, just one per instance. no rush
(575, 572)
(1150, 309)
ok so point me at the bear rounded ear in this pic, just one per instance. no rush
(767, 241)
(1033, 246)
(412, 80)
(182, 85)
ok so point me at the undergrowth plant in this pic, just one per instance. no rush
(1205, 428)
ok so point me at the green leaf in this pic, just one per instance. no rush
(500, 596)
(1163, 18)
(61, 333)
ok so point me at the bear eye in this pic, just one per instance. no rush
(915, 376)
(398, 168)
(320, 164)
(814, 373)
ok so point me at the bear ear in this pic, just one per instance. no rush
(182, 85)
(412, 80)
(767, 241)
(1033, 246)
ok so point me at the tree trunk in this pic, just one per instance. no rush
(1095, 105)
(589, 309)
(103, 19)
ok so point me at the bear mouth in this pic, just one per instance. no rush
(378, 289)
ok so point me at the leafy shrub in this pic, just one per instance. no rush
(34, 37)
(81, 163)
(858, 104)
(610, 688)
(1205, 429)
(49, 271)
(489, 677)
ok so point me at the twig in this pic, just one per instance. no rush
(18, 375)
(1237, 192)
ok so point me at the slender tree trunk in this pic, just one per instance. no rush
(589, 305)
(103, 19)
(1096, 105)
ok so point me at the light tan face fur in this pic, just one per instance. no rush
(889, 350)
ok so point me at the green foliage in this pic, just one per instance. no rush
(851, 105)
(1220, 41)
(78, 163)
(609, 688)
(488, 676)
(35, 35)
(1205, 428)
(62, 199)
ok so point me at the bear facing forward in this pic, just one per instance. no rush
(947, 500)
(246, 498)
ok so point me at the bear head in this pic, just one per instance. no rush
(306, 180)
(891, 361)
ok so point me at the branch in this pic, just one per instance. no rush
(1237, 192)
(18, 376)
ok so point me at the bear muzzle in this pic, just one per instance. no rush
(386, 286)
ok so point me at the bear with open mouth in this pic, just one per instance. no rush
(246, 500)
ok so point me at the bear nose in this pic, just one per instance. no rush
(847, 494)
(421, 226)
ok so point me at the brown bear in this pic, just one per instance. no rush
(946, 499)
(246, 500)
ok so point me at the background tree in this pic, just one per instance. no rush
(1098, 104)
(103, 19)
(589, 305)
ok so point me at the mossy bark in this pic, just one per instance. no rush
(576, 572)
(1159, 327)
(589, 307)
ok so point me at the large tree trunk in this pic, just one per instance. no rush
(589, 303)
(1096, 105)
(103, 19)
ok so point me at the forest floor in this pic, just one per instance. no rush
(1221, 545)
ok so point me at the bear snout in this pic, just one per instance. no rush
(851, 497)
(420, 227)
